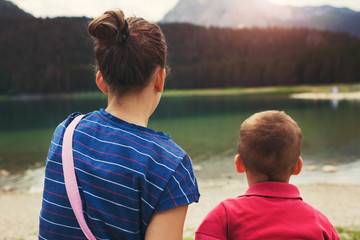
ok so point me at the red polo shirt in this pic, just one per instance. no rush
(268, 210)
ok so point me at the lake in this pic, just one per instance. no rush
(205, 126)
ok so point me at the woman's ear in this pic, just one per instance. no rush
(239, 164)
(298, 167)
(160, 79)
(102, 85)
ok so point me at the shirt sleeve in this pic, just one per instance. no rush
(214, 226)
(334, 234)
(329, 230)
(181, 188)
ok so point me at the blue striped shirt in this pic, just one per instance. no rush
(125, 173)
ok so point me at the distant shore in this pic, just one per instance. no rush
(344, 91)
(327, 96)
(299, 91)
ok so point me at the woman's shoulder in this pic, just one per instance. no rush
(61, 127)
(138, 136)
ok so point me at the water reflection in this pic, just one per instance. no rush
(335, 103)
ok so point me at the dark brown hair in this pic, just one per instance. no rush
(127, 51)
(270, 144)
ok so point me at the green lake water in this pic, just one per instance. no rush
(205, 126)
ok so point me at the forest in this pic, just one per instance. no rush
(40, 56)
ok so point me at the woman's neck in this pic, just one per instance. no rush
(133, 107)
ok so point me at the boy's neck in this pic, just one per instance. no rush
(257, 178)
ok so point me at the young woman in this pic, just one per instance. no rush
(134, 182)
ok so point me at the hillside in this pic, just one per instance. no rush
(55, 55)
(45, 55)
(262, 13)
(10, 10)
(224, 57)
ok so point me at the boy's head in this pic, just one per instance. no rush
(269, 145)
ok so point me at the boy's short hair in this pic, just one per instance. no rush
(269, 144)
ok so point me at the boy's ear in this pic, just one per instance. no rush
(160, 79)
(298, 167)
(239, 164)
(102, 85)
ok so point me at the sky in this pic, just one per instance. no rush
(152, 10)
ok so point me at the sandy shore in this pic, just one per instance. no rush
(340, 203)
(19, 215)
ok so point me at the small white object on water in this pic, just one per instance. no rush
(311, 168)
(4, 173)
(329, 169)
(197, 168)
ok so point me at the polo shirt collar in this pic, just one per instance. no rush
(273, 190)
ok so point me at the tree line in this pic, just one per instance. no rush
(215, 57)
(56, 56)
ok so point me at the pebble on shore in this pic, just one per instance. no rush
(4, 173)
(7, 188)
(197, 168)
(329, 169)
(325, 169)
(310, 168)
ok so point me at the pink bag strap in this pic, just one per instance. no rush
(70, 178)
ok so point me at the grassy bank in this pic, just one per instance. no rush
(262, 90)
(348, 233)
(243, 91)
(208, 92)
(3, 98)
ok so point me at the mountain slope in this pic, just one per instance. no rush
(262, 13)
(10, 10)
(226, 13)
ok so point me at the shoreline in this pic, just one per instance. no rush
(31, 180)
(339, 202)
(335, 194)
(345, 92)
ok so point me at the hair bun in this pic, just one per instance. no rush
(108, 29)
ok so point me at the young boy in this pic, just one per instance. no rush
(269, 153)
